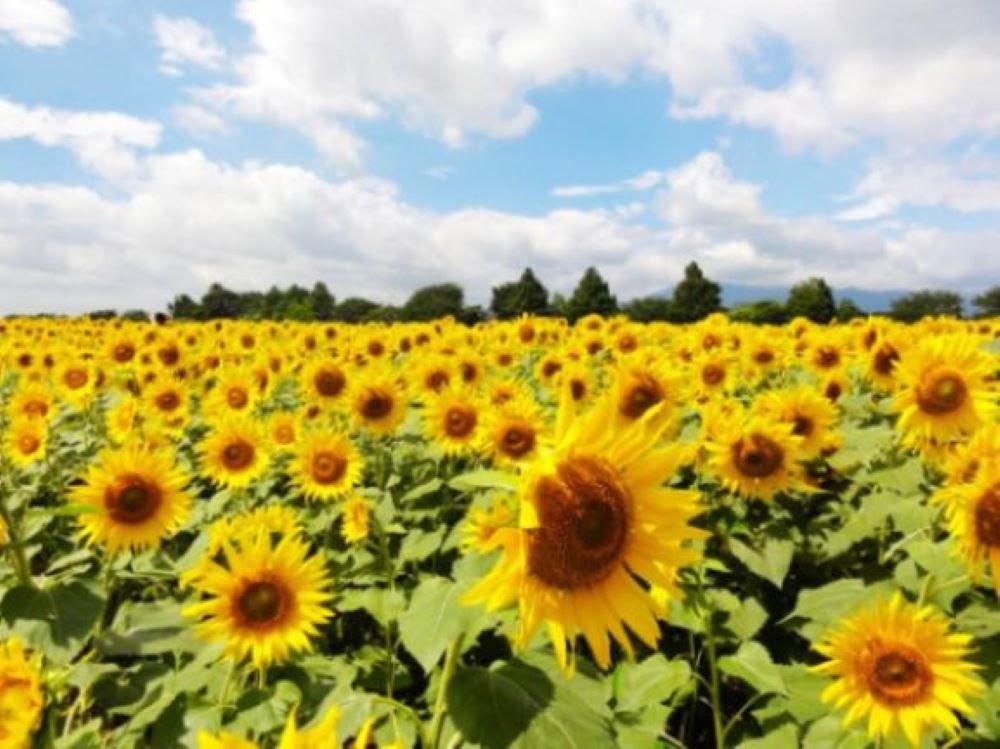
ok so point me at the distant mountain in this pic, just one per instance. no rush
(869, 300)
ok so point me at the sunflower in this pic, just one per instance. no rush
(167, 403)
(595, 521)
(433, 373)
(32, 401)
(75, 381)
(944, 389)
(263, 601)
(712, 376)
(355, 520)
(638, 388)
(757, 457)
(236, 390)
(378, 402)
(453, 419)
(578, 381)
(26, 441)
(898, 665)
(234, 454)
(964, 461)
(973, 513)
(326, 465)
(120, 419)
(283, 428)
(321, 736)
(514, 431)
(324, 382)
(811, 416)
(136, 497)
(21, 696)
(881, 363)
(479, 532)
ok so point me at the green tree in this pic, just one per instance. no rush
(592, 295)
(649, 309)
(987, 304)
(763, 312)
(322, 302)
(695, 297)
(354, 309)
(926, 303)
(433, 302)
(220, 302)
(848, 310)
(526, 295)
(812, 299)
(135, 315)
(103, 314)
(184, 308)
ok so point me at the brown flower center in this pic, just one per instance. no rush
(123, 352)
(585, 515)
(987, 517)
(284, 434)
(459, 421)
(237, 397)
(517, 440)
(758, 456)
(263, 603)
(833, 390)
(827, 357)
(577, 389)
(712, 374)
(28, 444)
(168, 401)
(377, 405)
(803, 425)
(238, 455)
(645, 393)
(329, 382)
(898, 676)
(885, 360)
(942, 393)
(132, 500)
(75, 378)
(550, 368)
(437, 380)
(169, 355)
(36, 408)
(328, 467)
(763, 356)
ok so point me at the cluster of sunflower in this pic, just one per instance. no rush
(255, 458)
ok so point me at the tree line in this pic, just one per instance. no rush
(693, 298)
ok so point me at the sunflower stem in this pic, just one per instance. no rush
(925, 590)
(15, 545)
(227, 684)
(714, 688)
(450, 661)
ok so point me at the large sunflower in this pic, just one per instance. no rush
(136, 497)
(757, 458)
(514, 431)
(898, 665)
(944, 389)
(378, 401)
(325, 465)
(26, 441)
(263, 600)
(973, 513)
(453, 419)
(21, 697)
(596, 526)
(234, 453)
(811, 416)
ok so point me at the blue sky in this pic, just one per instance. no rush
(147, 149)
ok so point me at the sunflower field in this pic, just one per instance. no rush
(230, 535)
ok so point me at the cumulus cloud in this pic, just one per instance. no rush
(184, 42)
(35, 23)
(104, 142)
(187, 221)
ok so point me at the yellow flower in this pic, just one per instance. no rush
(326, 465)
(378, 401)
(263, 601)
(453, 420)
(324, 382)
(321, 736)
(514, 431)
(898, 666)
(32, 401)
(479, 531)
(811, 416)
(355, 520)
(944, 390)
(757, 458)
(234, 453)
(595, 518)
(973, 513)
(26, 441)
(283, 428)
(135, 496)
(21, 697)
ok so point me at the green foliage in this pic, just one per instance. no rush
(695, 297)
(847, 310)
(987, 303)
(926, 303)
(812, 299)
(433, 302)
(764, 312)
(527, 295)
(650, 309)
(592, 296)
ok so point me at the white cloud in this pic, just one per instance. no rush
(35, 23)
(640, 183)
(186, 221)
(966, 185)
(104, 142)
(198, 120)
(439, 172)
(185, 42)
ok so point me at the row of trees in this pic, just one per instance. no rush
(694, 298)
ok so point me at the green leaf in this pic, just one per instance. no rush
(829, 601)
(785, 736)
(828, 733)
(435, 618)
(429, 487)
(654, 680)
(419, 545)
(747, 620)
(382, 603)
(56, 620)
(516, 705)
(772, 564)
(752, 663)
(484, 479)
